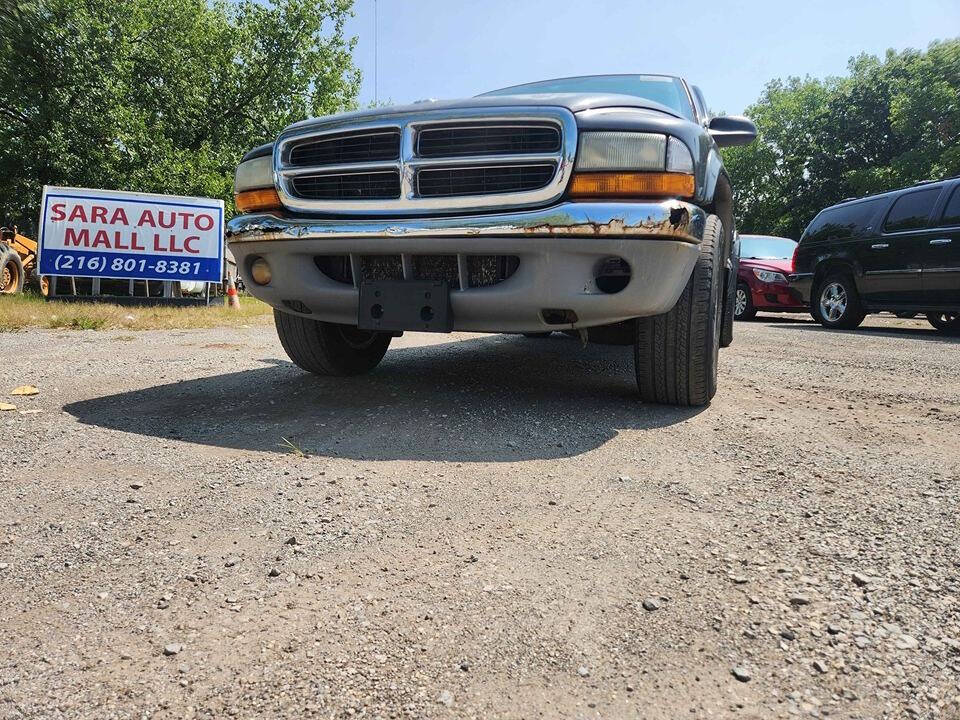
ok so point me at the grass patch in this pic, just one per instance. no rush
(292, 447)
(18, 312)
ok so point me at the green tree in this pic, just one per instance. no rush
(888, 123)
(158, 95)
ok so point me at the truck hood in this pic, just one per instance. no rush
(574, 102)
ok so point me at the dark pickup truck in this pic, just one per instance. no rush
(597, 205)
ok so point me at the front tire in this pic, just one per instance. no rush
(11, 271)
(726, 326)
(945, 322)
(676, 353)
(329, 349)
(836, 303)
(743, 308)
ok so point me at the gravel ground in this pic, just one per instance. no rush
(487, 526)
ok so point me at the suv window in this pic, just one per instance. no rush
(951, 213)
(910, 211)
(841, 222)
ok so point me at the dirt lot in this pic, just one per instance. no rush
(486, 527)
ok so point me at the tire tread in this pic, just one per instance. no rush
(674, 355)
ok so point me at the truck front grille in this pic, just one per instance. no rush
(430, 162)
(349, 186)
(483, 180)
(347, 148)
(460, 272)
(488, 140)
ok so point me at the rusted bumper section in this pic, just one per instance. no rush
(669, 219)
(558, 250)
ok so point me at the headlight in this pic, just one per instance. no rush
(644, 152)
(253, 189)
(768, 276)
(622, 151)
(253, 174)
(679, 158)
(613, 164)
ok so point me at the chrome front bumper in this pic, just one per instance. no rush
(559, 249)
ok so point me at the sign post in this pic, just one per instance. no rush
(125, 235)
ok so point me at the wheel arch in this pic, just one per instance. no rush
(833, 265)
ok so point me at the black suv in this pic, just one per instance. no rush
(899, 251)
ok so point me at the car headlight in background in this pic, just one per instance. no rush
(253, 189)
(768, 276)
(632, 164)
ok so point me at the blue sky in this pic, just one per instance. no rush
(730, 48)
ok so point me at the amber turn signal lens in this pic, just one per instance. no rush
(257, 200)
(631, 184)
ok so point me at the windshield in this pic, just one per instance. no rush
(665, 90)
(765, 247)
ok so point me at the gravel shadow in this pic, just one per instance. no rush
(496, 398)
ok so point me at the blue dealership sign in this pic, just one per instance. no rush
(107, 234)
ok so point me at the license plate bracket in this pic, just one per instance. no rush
(395, 305)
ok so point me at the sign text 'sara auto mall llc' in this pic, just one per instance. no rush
(100, 233)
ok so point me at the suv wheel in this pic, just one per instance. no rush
(676, 353)
(836, 304)
(743, 308)
(328, 349)
(945, 322)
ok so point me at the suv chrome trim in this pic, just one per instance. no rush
(409, 124)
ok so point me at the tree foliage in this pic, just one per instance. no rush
(887, 124)
(158, 95)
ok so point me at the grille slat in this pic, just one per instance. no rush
(487, 140)
(352, 186)
(483, 180)
(347, 148)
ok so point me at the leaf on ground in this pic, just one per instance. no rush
(25, 390)
(7, 406)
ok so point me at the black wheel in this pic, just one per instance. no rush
(743, 308)
(836, 303)
(537, 336)
(328, 349)
(945, 322)
(729, 301)
(676, 353)
(11, 271)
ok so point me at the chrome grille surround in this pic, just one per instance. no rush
(409, 201)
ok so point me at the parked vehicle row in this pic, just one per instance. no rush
(897, 251)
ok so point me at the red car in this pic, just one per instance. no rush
(765, 262)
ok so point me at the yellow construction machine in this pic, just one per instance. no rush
(18, 259)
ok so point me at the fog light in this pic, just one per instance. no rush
(612, 275)
(260, 271)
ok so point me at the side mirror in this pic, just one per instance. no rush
(730, 130)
